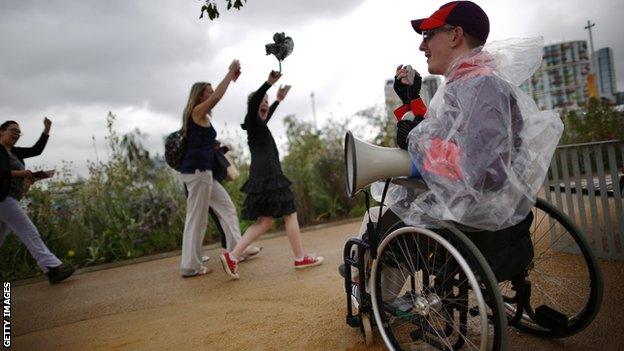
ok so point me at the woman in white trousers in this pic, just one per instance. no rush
(204, 191)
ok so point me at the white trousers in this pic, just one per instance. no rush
(14, 218)
(204, 192)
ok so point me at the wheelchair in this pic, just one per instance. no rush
(433, 289)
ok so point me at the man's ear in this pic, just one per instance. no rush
(458, 36)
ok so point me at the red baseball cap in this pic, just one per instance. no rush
(465, 14)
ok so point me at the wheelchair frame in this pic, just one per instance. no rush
(518, 312)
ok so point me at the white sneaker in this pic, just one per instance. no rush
(250, 253)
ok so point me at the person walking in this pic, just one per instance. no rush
(14, 180)
(267, 189)
(196, 173)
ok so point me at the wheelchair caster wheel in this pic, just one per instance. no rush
(367, 329)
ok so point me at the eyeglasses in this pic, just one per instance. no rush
(429, 34)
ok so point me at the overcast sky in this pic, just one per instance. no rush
(76, 60)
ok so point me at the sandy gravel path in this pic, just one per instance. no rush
(148, 306)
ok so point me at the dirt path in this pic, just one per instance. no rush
(148, 306)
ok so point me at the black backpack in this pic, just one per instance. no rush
(175, 148)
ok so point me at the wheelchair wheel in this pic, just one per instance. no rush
(435, 291)
(360, 300)
(366, 328)
(566, 283)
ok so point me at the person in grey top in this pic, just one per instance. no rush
(14, 179)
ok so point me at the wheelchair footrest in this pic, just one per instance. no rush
(353, 321)
(341, 270)
(551, 318)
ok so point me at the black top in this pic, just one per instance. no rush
(264, 154)
(16, 188)
(200, 148)
(21, 153)
(268, 192)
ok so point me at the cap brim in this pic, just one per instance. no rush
(426, 24)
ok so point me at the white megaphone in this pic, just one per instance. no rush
(366, 163)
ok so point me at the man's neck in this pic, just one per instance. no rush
(456, 54)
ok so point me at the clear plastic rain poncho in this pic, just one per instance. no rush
(484, 148)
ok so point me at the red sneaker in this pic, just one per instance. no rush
(229, 265)
(308, 261)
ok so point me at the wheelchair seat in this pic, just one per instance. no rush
(508, 251)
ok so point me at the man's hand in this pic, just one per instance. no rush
(403, 89)
(282, 92)
(47, 124)
(404, 127)
(274, 76)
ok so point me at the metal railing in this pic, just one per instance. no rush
(585, 181)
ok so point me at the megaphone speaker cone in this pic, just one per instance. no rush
(366, 163)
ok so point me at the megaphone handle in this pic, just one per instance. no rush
(367, 203)
(372, 227)
(280, 66)
(383, 199)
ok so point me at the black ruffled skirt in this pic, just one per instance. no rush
(268, 196)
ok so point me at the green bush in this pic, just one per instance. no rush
(134, 205)
(594, 121)
(315, 165)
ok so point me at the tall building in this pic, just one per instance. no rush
(619, 98)
(429, 86)
(561, 81)
(392, 100)
(604, 62)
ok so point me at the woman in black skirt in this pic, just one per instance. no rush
(268, 192)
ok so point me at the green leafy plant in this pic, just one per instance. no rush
(133, 204)
(595, 121)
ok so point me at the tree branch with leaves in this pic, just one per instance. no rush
(210, 7)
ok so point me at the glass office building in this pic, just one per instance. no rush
(561, 81)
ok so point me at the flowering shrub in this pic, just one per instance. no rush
(134, 205)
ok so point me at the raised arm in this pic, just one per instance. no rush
(206, 107)
(272, 109)
(37, 149)
(281, 95)
(256, 99)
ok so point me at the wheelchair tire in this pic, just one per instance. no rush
(565, 278)
(366, 328)
(452, 299)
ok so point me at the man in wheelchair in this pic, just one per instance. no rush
(481, 151)
(482, 148)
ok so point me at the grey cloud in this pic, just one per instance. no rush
(95, 52)
(123, 52)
